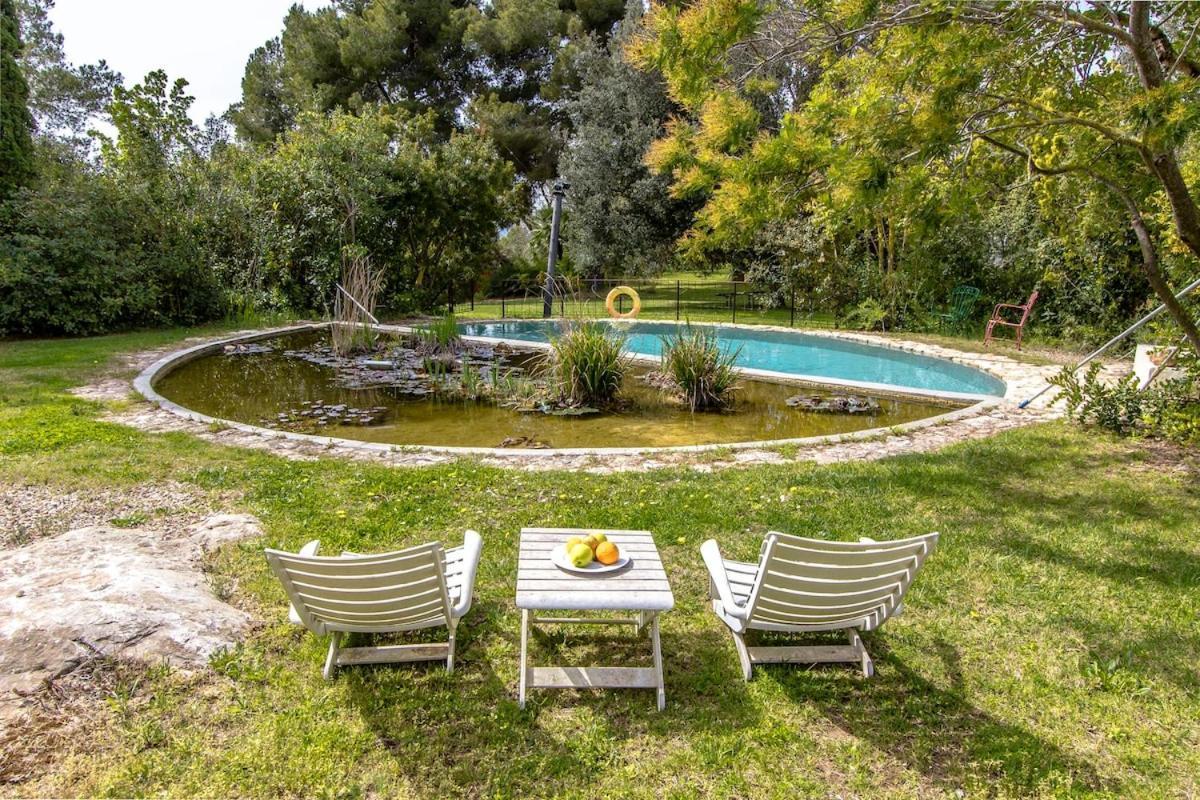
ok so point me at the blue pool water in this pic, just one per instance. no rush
(816, 357)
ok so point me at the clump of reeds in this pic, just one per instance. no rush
(697, 371)
(587, 364)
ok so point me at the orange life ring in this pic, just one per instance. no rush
(611, 301)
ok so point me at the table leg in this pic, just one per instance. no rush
(524, 656)
(658, 670)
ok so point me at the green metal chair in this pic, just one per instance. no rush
(958, 312)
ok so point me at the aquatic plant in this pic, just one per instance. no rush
(351, 330)
(587, 364)
(697, 371)
(440, 336)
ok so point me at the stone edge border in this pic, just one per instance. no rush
(144, 384)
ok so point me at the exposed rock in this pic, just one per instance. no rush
(837, 404)
(121, 592)
(524, 442)
(247, 349)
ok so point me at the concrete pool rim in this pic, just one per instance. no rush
(145, 382)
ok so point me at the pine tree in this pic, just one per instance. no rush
(16, 123)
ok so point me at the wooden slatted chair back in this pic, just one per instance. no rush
(387, 592)
(811, 584)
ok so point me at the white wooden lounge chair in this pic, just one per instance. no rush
(419, 587)
(801, 585)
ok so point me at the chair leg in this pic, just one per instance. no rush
(868, 665)
(524, 657)
(450, 653)
(335, 644)
(739, 642)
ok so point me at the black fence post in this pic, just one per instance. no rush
(677, 301)
(473, 294)
(503, 308)
(793, 322)
(733, 299)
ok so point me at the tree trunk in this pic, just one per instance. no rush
(1159, 282)
(891, 229)
(1163, 164)
(880, 256)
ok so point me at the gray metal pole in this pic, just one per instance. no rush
(370, 316)
(1123, 334)
(560, 189)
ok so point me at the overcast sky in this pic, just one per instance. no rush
(206, 42)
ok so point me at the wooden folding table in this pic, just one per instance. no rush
(640, 590)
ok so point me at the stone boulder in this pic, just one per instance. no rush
(121, 592)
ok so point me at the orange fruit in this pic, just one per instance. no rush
(607, 553)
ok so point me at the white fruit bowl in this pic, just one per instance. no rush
(559, 556)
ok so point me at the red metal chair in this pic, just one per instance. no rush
(998, 318)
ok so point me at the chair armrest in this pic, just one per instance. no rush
(999, 306)
(472, 548)
(711, 553)
(309, 549)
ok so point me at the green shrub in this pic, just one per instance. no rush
(1168, 410)
(699, 372)
(869, 315)
(84, 255)
(587, 364)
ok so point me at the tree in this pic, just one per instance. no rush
(382, 183)
(154, 130)
(526, 52)
(16, 123)
(267, 108)
(918, 104)
(623, 219)
(355, 53)
(64, 98)
(111, 244)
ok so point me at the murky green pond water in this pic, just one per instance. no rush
(258, 387)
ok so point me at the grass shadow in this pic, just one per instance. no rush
(937, 731)
(464, 734)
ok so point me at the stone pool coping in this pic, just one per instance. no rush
(1020, 379)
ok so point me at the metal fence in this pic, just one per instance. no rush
(701, 301)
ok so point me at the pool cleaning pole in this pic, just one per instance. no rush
(1131, 329)
(560, 190)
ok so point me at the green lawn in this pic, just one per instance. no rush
(1048, 649)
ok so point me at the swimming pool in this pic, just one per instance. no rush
(822, 359)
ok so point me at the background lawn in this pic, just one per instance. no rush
(1048, 649)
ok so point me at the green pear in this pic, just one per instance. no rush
(580, 554)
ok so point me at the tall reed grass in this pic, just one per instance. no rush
(700, 373)
(587, 363)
